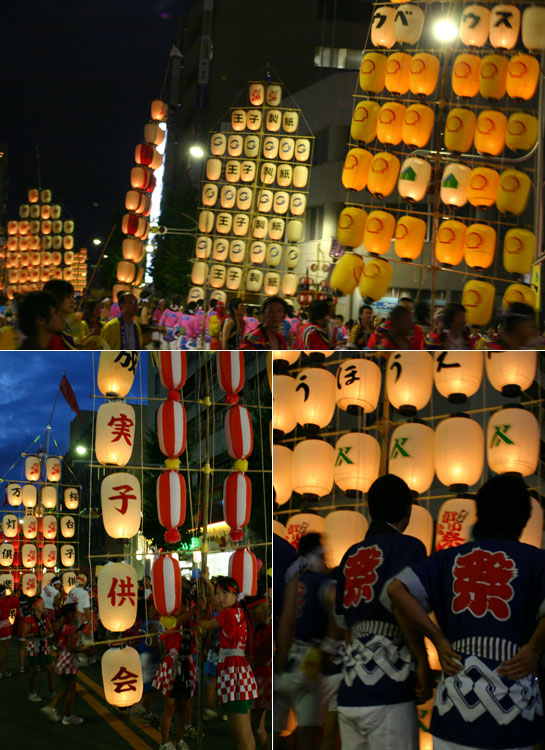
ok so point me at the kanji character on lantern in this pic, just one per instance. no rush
(122, 676)
(114, 433)
(121, 505)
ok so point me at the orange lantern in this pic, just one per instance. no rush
(346, 274)
(300, 176)
(342, 529)
(218, 144)
(519, 247)
(213, 169)
(459, 452)
(522, 77)
(282, 475)
(372, 72)
(289, 284)
(364, 121)
(351, 225)
(465, 75)
(410, 235)
(490, 132)
(303, 523)
(383, 174)
(454, 184)
(390, 123)
(449, 243)
(203, 247)
(504, 26)
(513, 192)
(424, 74)
(375, 279)
(533, 27)
(479, 246)
(382, 27)
(290, 121)
(159, 111)
(483, 187)
(409, 381)
(478, 300)
(378, 232)
(493, 76)
(126, 271)
(132, 249)
(217, 276)
(418, 125)
(414, 179)
(199, 273)
(408, 24)
(459, 129)
(421, 527)
(396, 78)
(254, 280)
(518, 293)
(312, 468)
(522, 131)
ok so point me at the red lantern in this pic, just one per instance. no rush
(143, 179)
(243, 568)
(166, 584)
(237, 503)
(171, 503)
(144, 154)
(230, 374)
(238, 432)
(171, 428)
(172, 369)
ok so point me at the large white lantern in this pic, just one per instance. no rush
(408, 23)
(29, 584)
(122, 676)
(314, 397)
(513, 441)
(71, 498)
(116, 371)
(10, 525)
(532, 533)
(455, 521)
(357, 462)
(49, 527)
(7, 580)
(411, 455)
(301, 524)
(30, 495)
(68, 581)
(48, 495)
(533, 27)
(32, 468)
(342, 529)
(282, 474)
(49, 555)
(459, 452)
(421, 526)
(14, 494)
(53, 469)
(409, 381)
(68, 527)
(458, 375)
(7, 552)
(358, 386)
(30, 527)
(312, 468)
(284, 418)
(29, 556)
(114, 433)
(121, 505)
(68, 555)
(511, 372)
(117, 590)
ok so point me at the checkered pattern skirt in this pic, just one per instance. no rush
(35, 646)
(67, 663)
(165, 676)
(236, 682)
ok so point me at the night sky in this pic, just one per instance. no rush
(78, 78)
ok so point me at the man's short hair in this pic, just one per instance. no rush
(270, 300)
(60, 289)
(35, 305)
(503, 508)
(389, 499)
(318, 309)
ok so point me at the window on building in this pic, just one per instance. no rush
(339, 58)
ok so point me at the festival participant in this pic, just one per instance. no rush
(63, 291)
(105, 310)
(215, 324)
(488, 596)
(452, 332)
(398, 334)
(51, 594)
(260, 658)
(124, 332)
(9, 608)
(82, 599)
(233, 329)
(414, 336)
(268, 334)
(37, 631)
(149, 652)
(39, 320)
(314, 334)
(250, 320)
(236, 682)
(91, 324)
(376, 700)
(517, 329)
(170, 321)
(363, 329)
(340, 334)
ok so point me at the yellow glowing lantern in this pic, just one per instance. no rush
(289, 284)
(390, 123)
(251, 146)
(409, 381)
(203, 247)
(30, 495)
(29, 555)
(375, 279)
(455, 520)
(511, 372)
(117, 590)
(7, 580)
(357, 462)
(522, 131)
(122, 676)
(228, 196)
(234, 277)
(312, 468)
(421, 526)
(364, 121)
(7, 552)
(490, 132)
(533, 27)
(116, 372)
(286, 149)
(260, 227)
(358, 386)
(460, 129)
(209, 194)
(346, 274)
(32, 468)
(217, 276)
(232, 170)
(513, 192)
(257, 94)
(284, 417)
(224, 222)
(48, 495)
(277, 227)
(459, 452)
(383, 174)
(482, 189)
(285, 175)
(479, 246)
(424, 73)
(356, 169)
(519, 293)
(254, 118)
(410, 235)
(153, 133)
(199, 272)
(29, 584)
(411, 455)
(449, 242)
(254, 280)
(68, 581)
(281, 474)
(301, 524)
(314, 399)
(10, 525)
(302, 149)
(68, 527)
(408, 24)
(132, 249)
(300, 176)
(213, 169)
(264, 201)
(281, 202)
(114, 435)
(71, 498)
(206, 221)
(378, 232)
(522, 77)
(414, 179)
(372, 72)
(342, 529)
(258, 252)
(220, 249)
(519, 247)
(478, 300)
(382, 27)
(474, 25)
(465, 75)
(298, 204)
(418, 125)
(30, 527)
(396, 77)
(351, 225)
(493, 76)
(270, 147)
(234, 145)
(126, 271)
(274, 255)
(458, 375)
(504, 26)
(33, 196)
(271, 283)
(513, 441)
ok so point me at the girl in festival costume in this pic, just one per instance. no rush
(37, 630)
(236, 682)
(67, 667)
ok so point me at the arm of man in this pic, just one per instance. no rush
(525, 661)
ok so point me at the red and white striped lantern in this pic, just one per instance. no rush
(230, 374)
(167, 584)
(237, 503)
(243, 568)
(238, 432)
(171, 428)
(171, 503)
(172, 369)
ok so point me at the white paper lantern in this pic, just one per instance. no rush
(10, 525)
(48, 495)
(53, 469)
(342, 529)
(459, 452)
(511, 372)
(49, 555)
(7, 580)
(301, 524)
(358, 386)
(282, 474)
(284, 416)
(29, 555)
(114, 433)
(30, 527)
(411, 455)
(455, 521)
(421, 526)
(30, 495)
(314, 397)
(533, 27)
(7, 552)
(29, 584)
(458, 375)
(122, 676)
(409, 380)
(312, 468)
(513, 441)
(49, 527)
(117, 590)
(32, 468)
(116, 371)
(357, 462)
(68, 527)
(71, 498)
(121, 505)
(408, 24)
(14, 494)
(68, 581)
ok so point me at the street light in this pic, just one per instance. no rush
(96, 241)
(197, 152)
(81, 450)
(445, 30)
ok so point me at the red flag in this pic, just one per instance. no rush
(69, 395)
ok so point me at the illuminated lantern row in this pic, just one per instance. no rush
(243, 568)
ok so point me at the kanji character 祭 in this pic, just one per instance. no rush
(124, 680)
(482, 583)
(361, 575)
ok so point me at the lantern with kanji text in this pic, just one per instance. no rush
(312, 468)
(10, 525)
(116, 372)
(513, 441)
(166, 584)
(301, 524)
(122, 676)
(358, 386)
(117, 589)
(68, 581)
(68, 527)
(68, 555)
(71, 498)
(314, 398)
(511, 373)
(409, 381)
(7, 554)
(342, 529)
(114, 435)
(121, 505)
(282, 474)
(14, 494)
(455, 521)
(459, 452)
(411, 455)
(357, 462)
(8, 580)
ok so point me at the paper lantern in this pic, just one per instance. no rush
(482, 188)
(346, 274)
(342, 529)
(314, 398)
(396, 77)
(199, 272)
(114, 434)
(29, 555)
(243, 568)
(132, 225)
(49, 496)
(312, 468)
(254, 280)
(53, 469)
(220, 249)
(257, 94)
(410, 235)
(159, 111)
(116, 372)
(29, 584)
(511, 372)
(234, 145)
(358, 386)
(533, 27)
(68, 555)
(171, 503)
(390, 123)
(30, 527)
(357, 462)
(522, 131)
(172, 368)
(492, 76)
(68, 581)
(424, 73)
(408, 24)
(274, 255)
(300, 176)
(356, 169)
(271, 284)
(418, 125)
(132, 249)
(218, 274)
(278, 528)
(7, 553)
(71, 498)
(409, 381)
(351, 225)
(421, 526)
(289, 284)
(7, 580)
(459, 129)
(32, 468)
(459, 452)
(218, 144)
(490, 132)
(513, 192)
(273, 96)
(364, 121)
(411, 455)
(375, 279)
(286, 149)
(121, 505)
(383, 174)
(302, 149)
(166, 584)
(171, 428)
(378, 232)
(372, 72)
(10, 525)
(117, 590)
(513, 441)
(522, 77)
(301, 524)
(382, 27)
(449, 242)
(465, 75)
(475, 25)
(68, 527)
(504, 26)
(281, 474)
(414, 179)
(479, 246)
(14, 494)
(238, 432)
(237, 503)
(519, 250)
(122, 676)
(224, 222)
(478, 300)
(458, 375)
(126, 272)
(455, 521)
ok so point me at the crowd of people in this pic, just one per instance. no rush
(48, 319)
(56, 632)
(350, 657)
